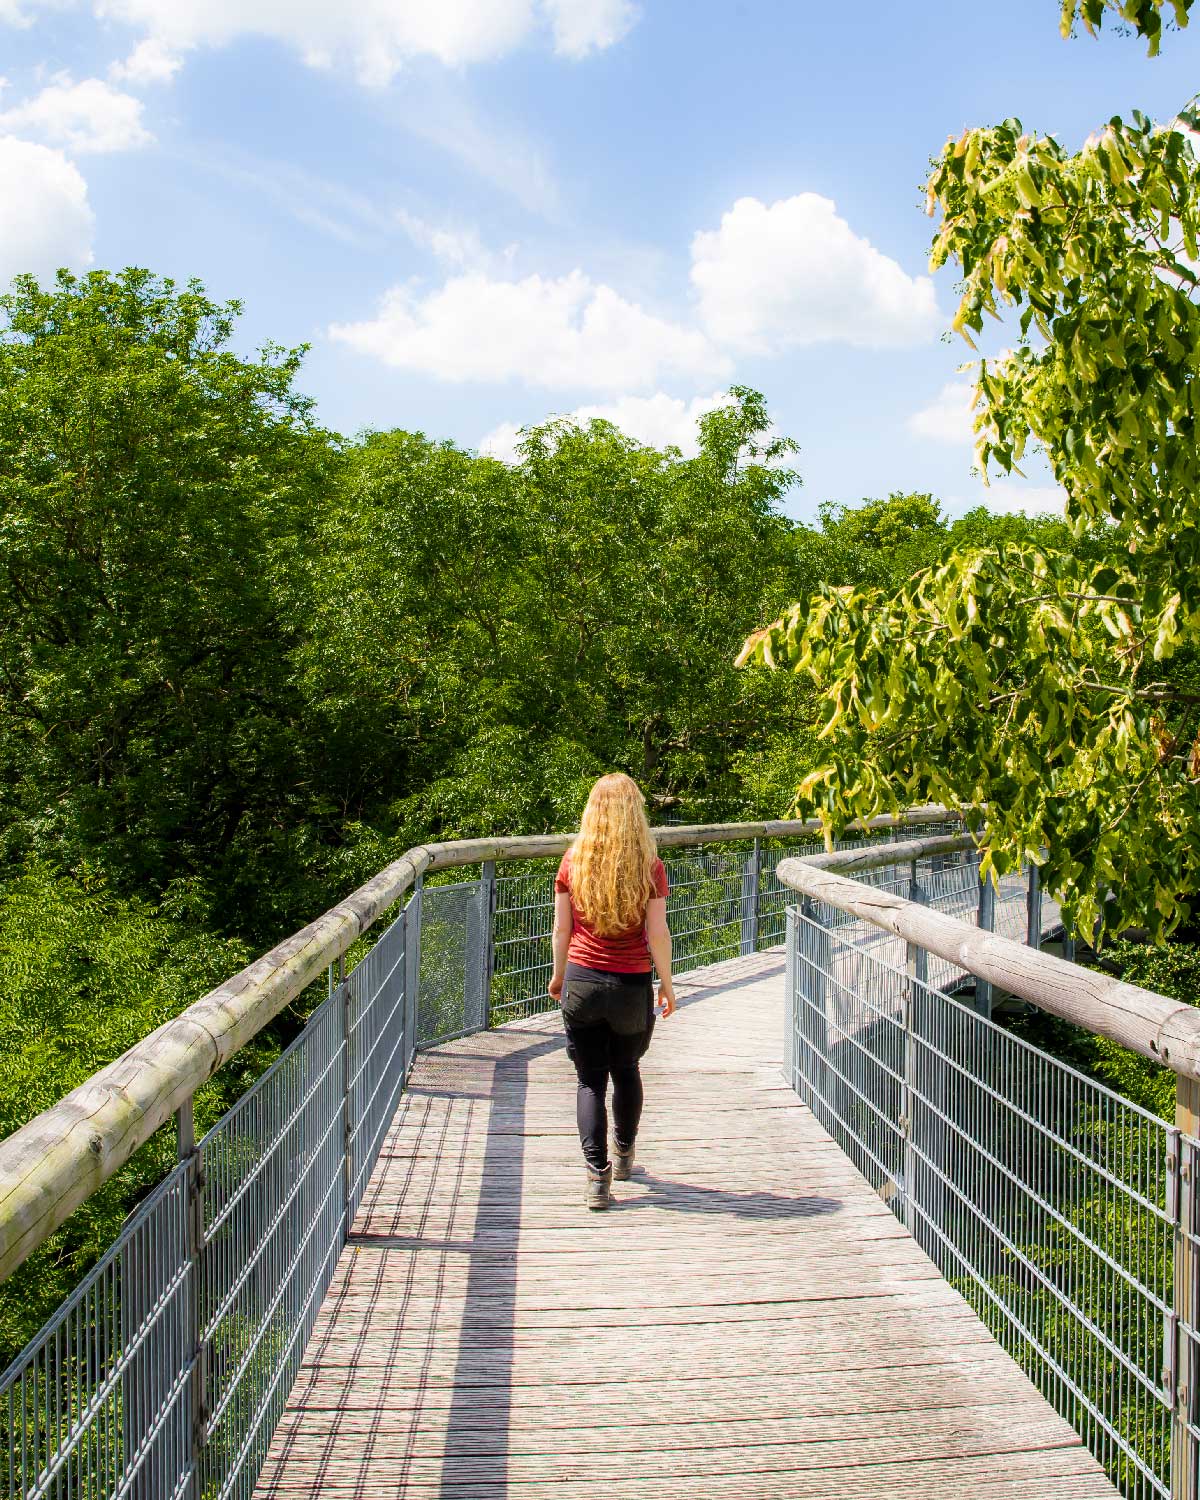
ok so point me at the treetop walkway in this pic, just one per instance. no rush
(875, 1244)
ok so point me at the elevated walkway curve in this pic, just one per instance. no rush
(748, 1320)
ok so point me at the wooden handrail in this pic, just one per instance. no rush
(57, 1161)
(1166, 1031)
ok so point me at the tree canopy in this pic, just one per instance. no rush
(1055, 688)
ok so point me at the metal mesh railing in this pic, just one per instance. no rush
(453, 962)
(273, 1191)
(523, 964)
(1049, 1201)
(165, 1373)
(722, 902)
(381, 1006)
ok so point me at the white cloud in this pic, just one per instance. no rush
(372, 37)
(583, 26)
(948, 418)
(565, 331)
(87, 116)
(660, 420)
(778, 276)
(573, 331)
(45, 220)
(149, 62)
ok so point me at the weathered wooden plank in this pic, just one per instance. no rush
(581, 1473)
(787, 1442)
(943, 1381)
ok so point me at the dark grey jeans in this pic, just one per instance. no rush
(609, 1021)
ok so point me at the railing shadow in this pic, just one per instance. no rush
(484, 1365)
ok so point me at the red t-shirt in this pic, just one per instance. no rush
(624, 952)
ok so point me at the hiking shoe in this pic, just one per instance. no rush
(598, 1187)
(622, 1163)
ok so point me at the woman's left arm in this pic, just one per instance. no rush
(562, 941)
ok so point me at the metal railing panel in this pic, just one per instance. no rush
(381, 1042)
(705, 905)
(97, 1405)
(452, 962)
(1046, 1199)
(523, 961)
(273, 1189)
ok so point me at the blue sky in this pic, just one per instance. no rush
(482, 212)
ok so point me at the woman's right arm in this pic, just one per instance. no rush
(658, 937)
(560, 943)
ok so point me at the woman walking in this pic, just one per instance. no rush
(610, 921)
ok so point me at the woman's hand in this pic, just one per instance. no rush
(555, 987)
(666, 998)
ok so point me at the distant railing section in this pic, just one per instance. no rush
(722, 902)
(1064, 1213)
(165, 1373)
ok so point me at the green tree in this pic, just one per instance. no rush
(84, 974)
(492, 637)
(1057, 688)
(156, 491)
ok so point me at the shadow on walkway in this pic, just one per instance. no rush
(691, 1198)
(483, 1370)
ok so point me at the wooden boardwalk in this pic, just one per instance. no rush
(748, 1320)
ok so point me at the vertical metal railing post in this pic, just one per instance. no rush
(412, 973)
(815, 965)
(751, 876)
(1185, 1302)
(916, 965)
(1033, 925)
(791, 962)
(987, 922)
(349, 1123)
(196, 1393)
(1171, 1349)
(487, 906)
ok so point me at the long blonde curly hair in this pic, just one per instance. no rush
(613, 857)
